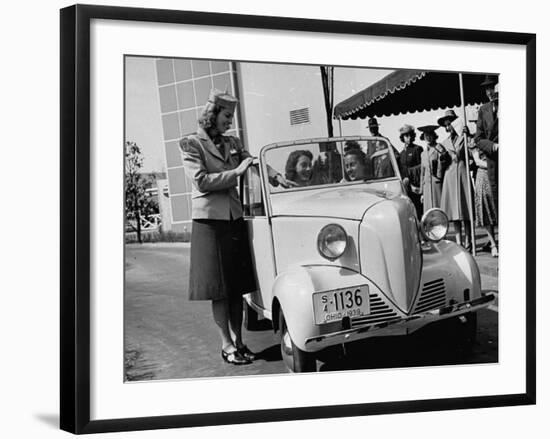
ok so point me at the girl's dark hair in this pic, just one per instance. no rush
(208, 116)
(293, 157)
(353, 148)
(410, 133)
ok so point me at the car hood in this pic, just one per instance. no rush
(346, 202)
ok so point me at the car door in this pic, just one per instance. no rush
(259, 231)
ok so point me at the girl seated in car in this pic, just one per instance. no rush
(355, 162)
(298, 167)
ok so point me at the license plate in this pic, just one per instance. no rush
(334, 305)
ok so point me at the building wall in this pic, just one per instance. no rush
(184, 86)
(269, 92)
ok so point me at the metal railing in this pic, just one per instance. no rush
(148, 223)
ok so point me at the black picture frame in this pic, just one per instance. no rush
(75, 217)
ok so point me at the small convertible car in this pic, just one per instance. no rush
(341, 256)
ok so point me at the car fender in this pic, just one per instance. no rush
(457, 266)
(293, 294)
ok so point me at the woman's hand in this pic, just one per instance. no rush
(284, 182)
(243, 166)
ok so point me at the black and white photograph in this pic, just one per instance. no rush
(278, 219)
(274, 218)
(298, 218)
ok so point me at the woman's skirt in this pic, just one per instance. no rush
(221, 265)
(454, 193)
(432, 194)
(486, 212)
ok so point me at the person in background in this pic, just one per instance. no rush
(485, 207)
(455, 201)
(381, 161)
(373, 127)
(435, 160)
(298, 168)
(221, 264)
(486, 136)
(374, 146)
(327, 167)
(410, 161)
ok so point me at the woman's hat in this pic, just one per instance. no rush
(427, 129)
(449, 115)
(406, 129)
(489, 80)
(223, 99)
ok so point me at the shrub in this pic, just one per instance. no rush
(157, 236)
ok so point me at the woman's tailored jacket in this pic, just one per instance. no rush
(212, 172)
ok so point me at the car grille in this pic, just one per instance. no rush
(432, 296)
(380, 312)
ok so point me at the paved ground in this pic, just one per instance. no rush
(168, 337)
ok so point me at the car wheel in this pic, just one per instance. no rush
(294, 358)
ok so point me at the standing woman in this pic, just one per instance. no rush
(435, 160)
(221, 265)
(455, 201)
(486, 211)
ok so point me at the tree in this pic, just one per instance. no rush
(137, 200)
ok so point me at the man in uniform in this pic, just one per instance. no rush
(375, 146)
(486, 137)
(410, 166)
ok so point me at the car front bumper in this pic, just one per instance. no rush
(398, 326)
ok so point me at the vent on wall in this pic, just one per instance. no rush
(299, 116)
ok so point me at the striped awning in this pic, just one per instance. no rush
(409, 91)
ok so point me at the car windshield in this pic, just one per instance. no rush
(346, 161)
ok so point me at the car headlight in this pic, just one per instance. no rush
(434, 224)
(332, 241)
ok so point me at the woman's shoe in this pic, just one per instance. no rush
(234, 358)
(494, 251)
(247, 353)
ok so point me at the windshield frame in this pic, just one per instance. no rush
(280, 145)
(264, 172)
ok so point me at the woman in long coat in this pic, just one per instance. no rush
(221, 265)
(455, 201)
(434, 160)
